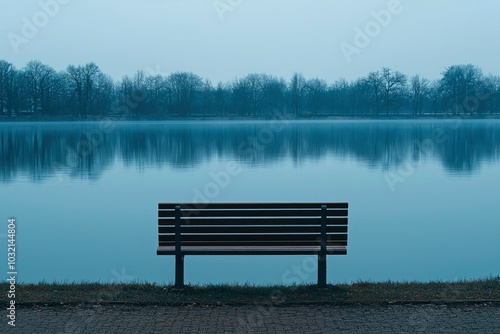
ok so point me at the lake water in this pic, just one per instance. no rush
(423, 196)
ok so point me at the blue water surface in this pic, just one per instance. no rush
(423, 196)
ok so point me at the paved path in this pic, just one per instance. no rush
(258, 319)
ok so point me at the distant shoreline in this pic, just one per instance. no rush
(17, 119)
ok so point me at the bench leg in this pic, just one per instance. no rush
(322, 271)
(179, 271)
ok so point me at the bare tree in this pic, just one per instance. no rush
(316, 95)
(340, 90)
(39, 78)
(207, 100)
(183, 88)
(393, 89)
(490, 93)
(360, 97)
(374, 80)
(7, 74)
(255, 84)
(241, 97)
(419, 92)
(84, 80)
(155, 89)
(75, 74)
(297, 90)
(101, 101)
(58, 94)
(139, 93)
(90, 73)
(273, 95)
(84, 90)
(222, 98)
(460, 82)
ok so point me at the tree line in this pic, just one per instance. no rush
(85, 91)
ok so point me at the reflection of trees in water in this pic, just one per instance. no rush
(53, 150)
(469, 146)
(82, 151)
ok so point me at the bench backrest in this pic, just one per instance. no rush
(253, 224)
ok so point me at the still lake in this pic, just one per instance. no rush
(423, 196)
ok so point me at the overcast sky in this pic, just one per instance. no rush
(224, 39)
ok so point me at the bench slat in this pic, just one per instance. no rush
(253, 221)
(171, 206)
(252, 250)
(254, 243)
(255, 213)
(251, 237)
(252, 229)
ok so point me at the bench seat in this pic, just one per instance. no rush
(252, 250)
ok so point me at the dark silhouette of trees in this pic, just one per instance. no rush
(491, 95)
(374, 81)
(155, 94)
(316, 96)
(393, 89)
(340, 98)
(222, 99)
(7, 81)
(458, 84)
(361, 97)
(90, 90)
(419, 93)
(85, 91)
(39, 80)
(297, 90)
(254, 84)
(273, 95)
(183, 89)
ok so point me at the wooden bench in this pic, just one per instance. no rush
(252, 229)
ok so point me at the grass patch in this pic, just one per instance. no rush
(359, 293)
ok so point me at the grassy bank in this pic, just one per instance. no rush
(363, 293)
